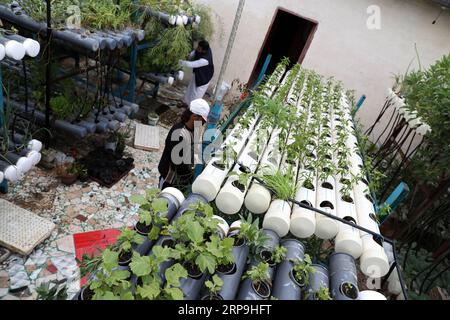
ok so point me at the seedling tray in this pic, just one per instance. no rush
(103, 162)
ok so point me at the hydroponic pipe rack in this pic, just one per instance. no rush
(19, 154)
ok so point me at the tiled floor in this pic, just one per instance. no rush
(74, 209)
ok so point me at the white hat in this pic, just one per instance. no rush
(200, 107)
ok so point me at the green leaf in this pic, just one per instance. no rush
(154, 233)
(160, 205)
(110, 259)
(174, 274)
(174, 293)
(195, 231)
(145, 217)
(206, 261)
(151, 193)
(138, 199)
(106, 296)
(149, 291)
(140, 266)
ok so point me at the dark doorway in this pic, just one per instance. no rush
(289, 35)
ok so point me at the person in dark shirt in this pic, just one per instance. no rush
(202, 64)
(176, 166)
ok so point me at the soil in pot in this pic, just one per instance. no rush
(212, 297)
(349, 290)
(193, 270)
(69, 179)
(238, 242)
(142, 229)
(266, 256)
(86, 293)
(298, 278)
(227, 269)
(125, 258)
(262, 288)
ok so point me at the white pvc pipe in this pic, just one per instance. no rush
(278, 217)
(32, 47)
(11, 172)
(370, 295)
(326, 228)
(13, 49)
(2, 52)
(303, 221)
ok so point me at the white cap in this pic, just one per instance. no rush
(200, 107)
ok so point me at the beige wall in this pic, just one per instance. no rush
(343, 46)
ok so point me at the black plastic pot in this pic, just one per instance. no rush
(265, 252)
(232, 279)
(192, 285)
(343, 277)
(317, 280)
(145, 247)
(192, 199)
(284, 286)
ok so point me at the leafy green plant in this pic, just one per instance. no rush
(251, 233)
(258, 273)
(149, 283)
(111, 283)
(214, 286)
(302, 269)
(281, 183)
(198, 242)
(152, 211)
(279, 254)
(127, 239)
(323, 294)
(56, 292)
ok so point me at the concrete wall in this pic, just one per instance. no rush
(343, 46)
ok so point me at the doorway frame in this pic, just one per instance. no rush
(266, 38)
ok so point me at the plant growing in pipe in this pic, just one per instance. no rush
(302, 270)
(146, 268)
(127, 239)
(260, 279)
(322, 294)
(111, 283)
(151, 213)
(214, 286)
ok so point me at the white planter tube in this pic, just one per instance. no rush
(24, 164)
(223, 226)
(33, 144)
(10, 172)
(13, 49)
(373, 261)
(208, 183)
(231, 198)
(326, 228)
(348, 239)
(258, 197)
(2, 52)
(2, 176)
(303, 221)
(371, 295)
(32, 47)
(278, 217)
(394, 285)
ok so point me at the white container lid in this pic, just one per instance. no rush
(370, 295)
(32, 47)
(2, 52)
(24, 164)
(15, 50)
(35, 157)
(12, 173)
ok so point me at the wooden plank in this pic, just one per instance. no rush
(146, 137)
(21, 230)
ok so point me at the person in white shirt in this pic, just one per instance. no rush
(201, 61)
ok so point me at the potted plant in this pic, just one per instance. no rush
(121, 141)
(343, 277)
(69, 174)
(153, 118)
(149, 285)
(214, 286)
(257, 283)
(284, 285)
(301, 271)
(127, 239)
(112, 141)
(110, 282)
